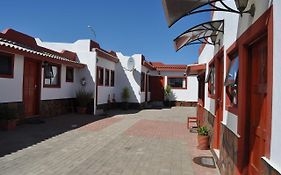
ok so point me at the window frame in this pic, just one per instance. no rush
(229, 105)
(143, 82)
(212, 67)
(106, 77)
(98, 78)
(68, 80)
(112, 78)
(181, 77)
(12, 57)
(59, 77)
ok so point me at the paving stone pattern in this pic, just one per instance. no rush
(149, 142)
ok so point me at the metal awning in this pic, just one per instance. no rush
(177, 9)
(200, 34)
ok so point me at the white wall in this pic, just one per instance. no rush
(275, 157)
(105, 91)
(188, 95)
(125, 78)
(234, 26)
(11, 88)
(67, 89)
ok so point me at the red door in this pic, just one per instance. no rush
(157, 88)
(258, 108)
(31, 87)
(219, 99)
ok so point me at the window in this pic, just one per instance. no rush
(106, 77)
(52, 75)
(6, 65)
(69, 74)
(177, 82)
(231, 80)
(112, 80)
(100, 76)
(211, 79)
(142, 81)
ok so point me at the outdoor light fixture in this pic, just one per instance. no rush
(177, 9)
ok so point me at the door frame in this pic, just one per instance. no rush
(264, 25)
(219, 89)
(39, 81)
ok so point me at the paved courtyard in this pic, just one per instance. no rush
(148, 142)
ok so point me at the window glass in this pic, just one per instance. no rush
(112, 82)
(52, 75)
(6, 65)
(142, 81)
(211, 79)
(232, 71)
(106, 77)
(177, 82)
(231, 80)
(69, 74)
(100, 76)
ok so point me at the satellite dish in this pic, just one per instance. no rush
(131, 64)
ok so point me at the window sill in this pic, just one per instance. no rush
(232, 109)
(56, 86)
(7, 76)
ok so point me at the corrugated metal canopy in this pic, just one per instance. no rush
(176, 9)
(23, 48)
(199, 34)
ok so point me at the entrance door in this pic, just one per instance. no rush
(31, 87)
(157, 88)
(257, 103)
(219, 99)
(146, 87)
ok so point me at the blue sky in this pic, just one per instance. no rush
(129, 26)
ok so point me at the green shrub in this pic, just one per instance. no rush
(203, 131)
(167, 92)
(125, 94)
(83, 98)
(7, 113)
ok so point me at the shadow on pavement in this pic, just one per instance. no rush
(34, 131)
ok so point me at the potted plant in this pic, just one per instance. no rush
(203, 138)
(8, 118)
(125, 98)
(167, 94)
(83, 98)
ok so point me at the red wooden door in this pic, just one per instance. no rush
(157, 88)
(219, 99)
(258, 107)
(31, 87)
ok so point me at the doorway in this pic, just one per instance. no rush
(219, 85)
(257, 102)
(31, 87)
(157, 88)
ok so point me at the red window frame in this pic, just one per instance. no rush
(71, 69)
(210, 94)
(183, 78)
(59, 77)
(142, 82)
(100, 76)
(107, 77)
(112, 78)
(229, 106)
(12, 57)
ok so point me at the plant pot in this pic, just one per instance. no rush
(8, 124)
(203, 142)
(81, 110)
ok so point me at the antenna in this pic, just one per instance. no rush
(92, 31)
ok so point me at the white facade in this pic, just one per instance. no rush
(234, 27)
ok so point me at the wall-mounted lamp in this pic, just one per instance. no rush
(241, 5)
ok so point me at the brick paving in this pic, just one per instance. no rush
(148, 142)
